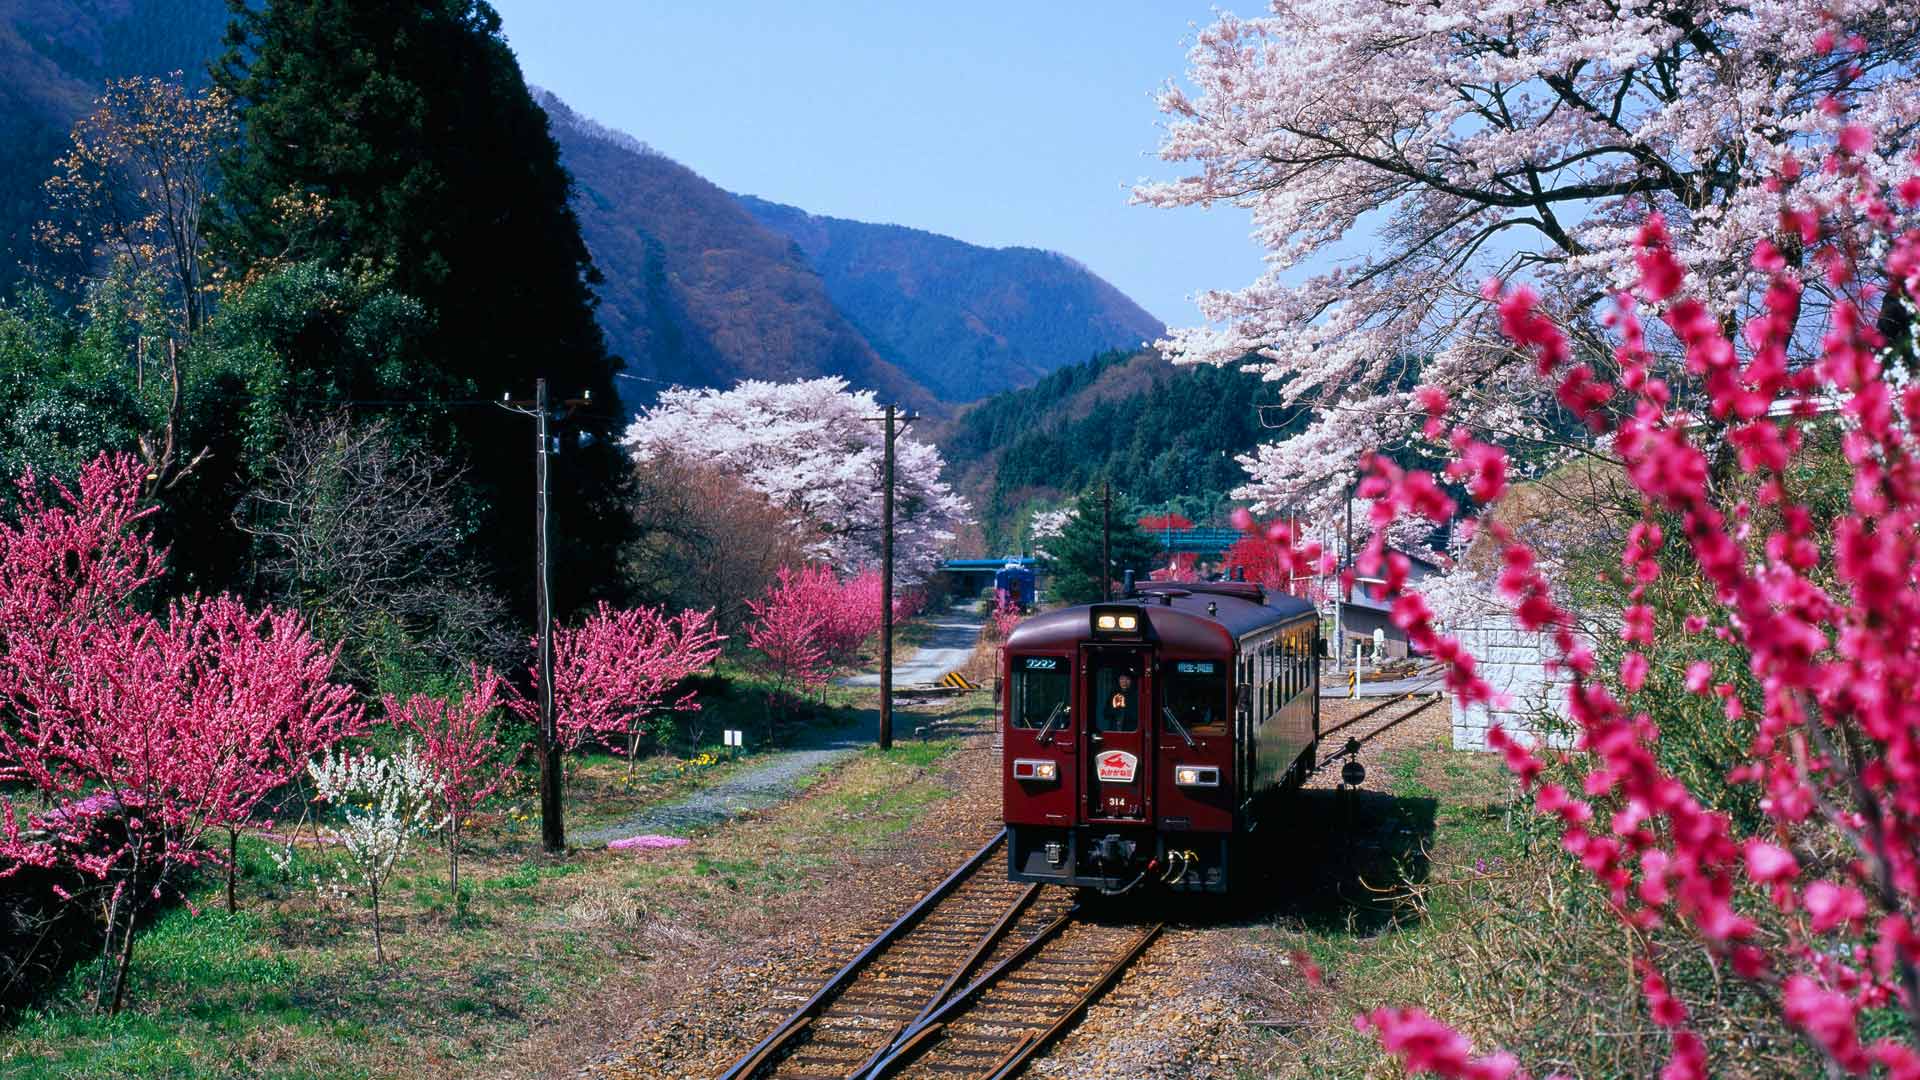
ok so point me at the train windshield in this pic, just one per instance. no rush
(1039, 688)
(1196, 694)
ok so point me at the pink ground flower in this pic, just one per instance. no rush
(648, 842)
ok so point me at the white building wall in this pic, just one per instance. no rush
(1513, 662)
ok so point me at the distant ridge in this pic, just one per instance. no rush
(696, 291)
(967, 321)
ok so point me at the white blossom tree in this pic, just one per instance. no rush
(385, 803)
(812, 448)
(1394, 156)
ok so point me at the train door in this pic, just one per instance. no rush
(1119, 734)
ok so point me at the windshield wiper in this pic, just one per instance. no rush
(1180, 728)
(1047, 728)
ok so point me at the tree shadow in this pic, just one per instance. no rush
(1329, 861)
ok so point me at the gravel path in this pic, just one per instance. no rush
(947, 649)
(756, 787)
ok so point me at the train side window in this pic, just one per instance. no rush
(1196, 693)
(1266, 651)
(1286, 667)
(1291, 669)
(1040, 684)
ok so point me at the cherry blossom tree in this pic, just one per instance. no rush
(786, 631)
(1392, 156)
(460, 749)
(813, 448)
(853, 610)
(619, 669)
(1819, 912)
(140, 733)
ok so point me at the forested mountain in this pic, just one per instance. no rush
(694, 290)
(54, 55)
(964, 320)
(1163, 434)
(698, 286)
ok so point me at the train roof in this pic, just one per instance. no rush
(1203, 615)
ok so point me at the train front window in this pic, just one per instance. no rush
(1116, 693)
(1040, 687)
(1196, 694)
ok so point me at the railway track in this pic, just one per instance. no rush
(973, 981)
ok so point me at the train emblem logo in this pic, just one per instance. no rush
(1117, 767)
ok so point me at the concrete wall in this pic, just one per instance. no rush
(1512, 661)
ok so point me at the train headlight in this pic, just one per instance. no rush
(1124, 623)
(1196, 775)
(1035, 769)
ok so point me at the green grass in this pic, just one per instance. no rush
(222, 983)
(288, 988)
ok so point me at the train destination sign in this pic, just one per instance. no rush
(1117, 767)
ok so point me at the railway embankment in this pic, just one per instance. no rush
(1251, 988)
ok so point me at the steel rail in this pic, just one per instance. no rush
(1024, 1051)
(802, 1018)
(910, 1040)
(1396, 721)
(1389, 703)
(979, 951)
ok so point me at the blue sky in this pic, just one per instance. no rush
(997, 123)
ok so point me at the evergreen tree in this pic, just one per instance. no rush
(1073, 557)
(399, 142)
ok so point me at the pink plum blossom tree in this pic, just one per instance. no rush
(1392, 156)
(1826, 611)
(619, 669)
(786, 631)
(459, 747)
(140, 733)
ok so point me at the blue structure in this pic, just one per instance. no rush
(1197, 541)
(1014, 583)
(970, 577)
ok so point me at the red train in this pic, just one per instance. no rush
(1146, 736)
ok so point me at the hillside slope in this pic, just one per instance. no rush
(696, 291)
(54, 57)
(1165, 435)
(966, 321)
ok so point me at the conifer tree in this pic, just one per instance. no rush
(1073, 557)
(399, 142)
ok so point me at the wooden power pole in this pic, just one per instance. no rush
(886, 587)
(553, 833)
(896, 423)
(1106, 540)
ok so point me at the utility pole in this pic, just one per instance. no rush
(553, 834)
(895, 424)
(886, 588)
(1106, 540)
